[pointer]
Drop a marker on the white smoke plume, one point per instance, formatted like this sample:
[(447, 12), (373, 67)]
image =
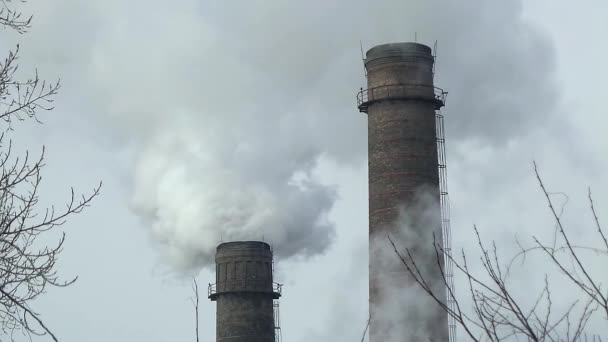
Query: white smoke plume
[(192, 200), (261, 104), (227, 107)]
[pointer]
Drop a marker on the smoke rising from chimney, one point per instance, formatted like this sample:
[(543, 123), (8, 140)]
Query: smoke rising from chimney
[(193, 197), (223, 109)]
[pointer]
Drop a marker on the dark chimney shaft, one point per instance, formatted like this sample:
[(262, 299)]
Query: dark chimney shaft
[(244, 292), (401, 101)]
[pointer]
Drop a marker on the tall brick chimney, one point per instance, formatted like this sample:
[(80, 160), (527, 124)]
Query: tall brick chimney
[(401, 103)]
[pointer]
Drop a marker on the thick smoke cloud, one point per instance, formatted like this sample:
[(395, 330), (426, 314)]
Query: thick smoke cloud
[(227, 107), (498, 68), (192, 200)]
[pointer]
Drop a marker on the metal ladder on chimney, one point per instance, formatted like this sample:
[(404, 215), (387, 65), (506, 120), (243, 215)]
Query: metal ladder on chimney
[(278, 337), (445, 223)]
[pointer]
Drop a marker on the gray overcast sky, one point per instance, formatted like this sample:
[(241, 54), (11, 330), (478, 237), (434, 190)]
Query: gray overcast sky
[(180, 106)]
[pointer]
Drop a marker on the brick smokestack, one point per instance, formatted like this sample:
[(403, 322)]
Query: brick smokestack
[(402, 149), (244, 292)]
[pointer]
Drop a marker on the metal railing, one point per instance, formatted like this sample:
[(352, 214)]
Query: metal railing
[(242, 285), (401, 91)]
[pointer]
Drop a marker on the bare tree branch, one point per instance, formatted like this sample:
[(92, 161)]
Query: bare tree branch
[(12, 18), (195, 289), (28, 265), (366, 327), (499, 315)]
